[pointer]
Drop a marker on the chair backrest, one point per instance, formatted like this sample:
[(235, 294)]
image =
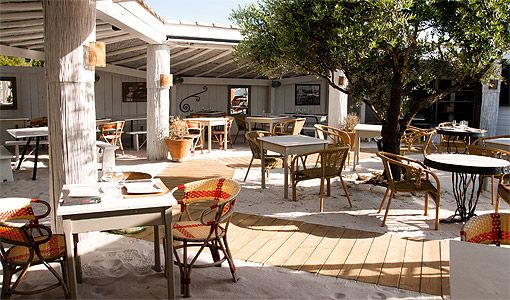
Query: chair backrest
[(418, 139), (487, 229), (289, 127), (112, 128), (240, 122), (483, 150), (504, 188), (197, 125), (336, 136), (333, 160), (136, 175), (254, 144), (410, 169)]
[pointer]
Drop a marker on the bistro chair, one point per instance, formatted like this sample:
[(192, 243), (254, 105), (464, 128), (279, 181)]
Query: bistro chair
[(218, 133), (207, 231), (414, 177), (289, 127), (444, 140), (503, 191), (111, 133), (241, 126), (336, 136), (487, 229), (271, 161), (31, 244), (416, 139), (331, 163), (196, 131)]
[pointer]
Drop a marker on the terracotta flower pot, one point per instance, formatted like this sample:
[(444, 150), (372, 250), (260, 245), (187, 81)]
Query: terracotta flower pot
[(179, 149)]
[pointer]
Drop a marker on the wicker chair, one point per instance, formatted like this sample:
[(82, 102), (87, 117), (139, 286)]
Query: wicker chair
[(196, 131), (444, 140), (415, 177), (241, 126), (503, 191), (32, 244), (416, 139), (218, 133), (271, 161), (289, 127), (210, 230), (487, 229), (111, 133), (336, 136), (331, 165)]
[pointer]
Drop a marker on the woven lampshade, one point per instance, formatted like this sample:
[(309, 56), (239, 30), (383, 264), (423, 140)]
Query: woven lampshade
[(165, 80), (97, 54)]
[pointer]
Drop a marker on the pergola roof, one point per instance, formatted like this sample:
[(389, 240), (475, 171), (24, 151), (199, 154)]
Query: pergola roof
[(126, 27)]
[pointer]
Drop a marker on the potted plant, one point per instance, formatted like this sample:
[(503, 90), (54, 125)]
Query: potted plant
[(350, 121), (179, 142)]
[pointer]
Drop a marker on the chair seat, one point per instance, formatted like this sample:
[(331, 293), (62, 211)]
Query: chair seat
[(310, 173), (51, 250), (410, 186), (190, 231)]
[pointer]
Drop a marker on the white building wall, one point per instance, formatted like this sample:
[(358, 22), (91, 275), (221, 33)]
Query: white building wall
[(285, 96)]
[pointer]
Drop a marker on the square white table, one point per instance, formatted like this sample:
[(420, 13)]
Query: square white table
[(115, 212), (501, 143), (288, 145), (363, 131), (210, 122), (30, 133), (269, 120)]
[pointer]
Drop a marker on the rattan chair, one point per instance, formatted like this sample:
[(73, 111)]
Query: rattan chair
[(415, 177), (271, 161), (289, 127), (331, 165), (31, 244), (111, 133), (445, 140), (218, 133), (209, 230), (241, 126), (196, 131), (416, 139), (336, 136), (503, 191), (487, 229)]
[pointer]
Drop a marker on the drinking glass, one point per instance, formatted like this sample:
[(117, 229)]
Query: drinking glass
[(464, 124), (454, 123)]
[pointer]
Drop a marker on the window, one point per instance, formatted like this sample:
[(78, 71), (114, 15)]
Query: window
[(308, 94), (8, 93), (239, 100)]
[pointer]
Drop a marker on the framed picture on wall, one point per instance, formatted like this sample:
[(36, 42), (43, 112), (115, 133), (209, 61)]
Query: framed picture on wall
[(134, 92), (308, 94)]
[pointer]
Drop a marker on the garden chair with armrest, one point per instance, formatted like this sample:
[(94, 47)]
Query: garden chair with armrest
[(289, 127), (271, 161), (487, 229)]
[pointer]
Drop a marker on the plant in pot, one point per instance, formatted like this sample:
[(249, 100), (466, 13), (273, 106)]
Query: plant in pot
[(179, 141), (350, 121)]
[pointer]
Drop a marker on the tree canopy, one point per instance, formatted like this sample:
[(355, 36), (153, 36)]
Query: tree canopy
[(389, 50)]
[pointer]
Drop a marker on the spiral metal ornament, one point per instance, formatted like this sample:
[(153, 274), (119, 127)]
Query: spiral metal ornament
[(186, 107)]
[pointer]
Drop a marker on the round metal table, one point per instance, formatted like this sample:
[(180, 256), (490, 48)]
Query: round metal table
[(465, 169), (452, 133)]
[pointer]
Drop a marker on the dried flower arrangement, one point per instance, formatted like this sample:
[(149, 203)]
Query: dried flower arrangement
[(178, 129), (350, 121)]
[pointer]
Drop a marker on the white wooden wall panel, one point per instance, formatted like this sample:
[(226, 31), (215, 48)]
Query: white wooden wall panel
[(285, 99), (503, 120)]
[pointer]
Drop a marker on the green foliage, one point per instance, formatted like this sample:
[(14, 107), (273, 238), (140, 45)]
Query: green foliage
[(19, 62), (389, 50)]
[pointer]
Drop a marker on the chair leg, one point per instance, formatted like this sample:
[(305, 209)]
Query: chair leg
[(328, 191), (247, 171), (383, 199), (346, 192), (436, 225), (322, 195), (213, 247), (230, 260), (387, 208), (6, 282), (426, 208), (492, 190)]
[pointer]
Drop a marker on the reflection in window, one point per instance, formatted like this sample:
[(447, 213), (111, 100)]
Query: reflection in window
[(239, 97), (8, 92)]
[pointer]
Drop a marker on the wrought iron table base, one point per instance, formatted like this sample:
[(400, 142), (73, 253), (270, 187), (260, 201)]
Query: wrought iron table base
[(466, 200)]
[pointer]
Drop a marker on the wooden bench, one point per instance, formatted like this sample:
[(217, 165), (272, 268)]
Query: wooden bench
[(5, 165), (16, 145), (134, 135)]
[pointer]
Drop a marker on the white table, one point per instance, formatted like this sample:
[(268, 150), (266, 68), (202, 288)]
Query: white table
[(363, 131), (210, 122), (479, 271), (30, 133), (115, 212), (288, 145), (500, 143), (270, 120)]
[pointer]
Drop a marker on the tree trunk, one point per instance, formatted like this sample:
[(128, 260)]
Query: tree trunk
[(68, 26), (158, 102), (391, 127)]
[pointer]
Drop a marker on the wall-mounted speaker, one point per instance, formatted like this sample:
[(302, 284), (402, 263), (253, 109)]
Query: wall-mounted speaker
[(275, 83)]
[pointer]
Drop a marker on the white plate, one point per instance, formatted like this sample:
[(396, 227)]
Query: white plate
[(84, 191), (142, 187)]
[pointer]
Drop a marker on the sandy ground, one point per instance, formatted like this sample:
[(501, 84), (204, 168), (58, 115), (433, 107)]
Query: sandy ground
[(119, 267)]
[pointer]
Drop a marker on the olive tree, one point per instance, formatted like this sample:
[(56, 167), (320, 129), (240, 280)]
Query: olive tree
[(391, 51)]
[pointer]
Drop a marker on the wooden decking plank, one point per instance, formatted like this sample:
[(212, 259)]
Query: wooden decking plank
[(265, 235), (263, 253), (411, 267), (298, 258), (279, 257), (375, 258), (237, 228), (249, 234), (317, 259), (445, 268), (431, 268), (338, 256), (392, 265), (357, 256)]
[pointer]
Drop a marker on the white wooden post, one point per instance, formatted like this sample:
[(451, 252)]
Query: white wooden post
[(173, 101), (272, 99), (69, 25), (337, 103), (490, 107), (158, 101)]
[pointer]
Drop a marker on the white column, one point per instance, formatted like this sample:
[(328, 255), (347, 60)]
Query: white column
[(272, 100), (69, 25), (158, 101), (173, 101), (337, 103), (490, 108)]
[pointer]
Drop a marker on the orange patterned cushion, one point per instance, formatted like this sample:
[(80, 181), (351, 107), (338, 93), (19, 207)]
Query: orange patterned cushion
[(54, 248), (193, 230)]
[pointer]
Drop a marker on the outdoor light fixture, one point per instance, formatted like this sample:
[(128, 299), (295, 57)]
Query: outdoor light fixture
[(165, 80), (275, 83), (97, 54), (178, 80), (341, 80)]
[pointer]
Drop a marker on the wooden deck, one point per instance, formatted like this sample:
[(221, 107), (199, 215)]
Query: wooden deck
[(383, 259)]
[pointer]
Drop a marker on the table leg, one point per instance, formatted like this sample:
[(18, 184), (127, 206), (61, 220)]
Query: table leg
[(356, 151), (286, 175), (209, 137), (157, 259), (225, 135), (262, 164), (34, 172), (70, 263), (465, 196), (169, 253), (24, 152), (249, 126)]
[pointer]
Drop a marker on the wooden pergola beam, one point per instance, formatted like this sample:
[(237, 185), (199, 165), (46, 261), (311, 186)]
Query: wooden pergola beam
[(205, 62), (228, 62), (130, 59), (232, 71), (127, 50), (202, 53)]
